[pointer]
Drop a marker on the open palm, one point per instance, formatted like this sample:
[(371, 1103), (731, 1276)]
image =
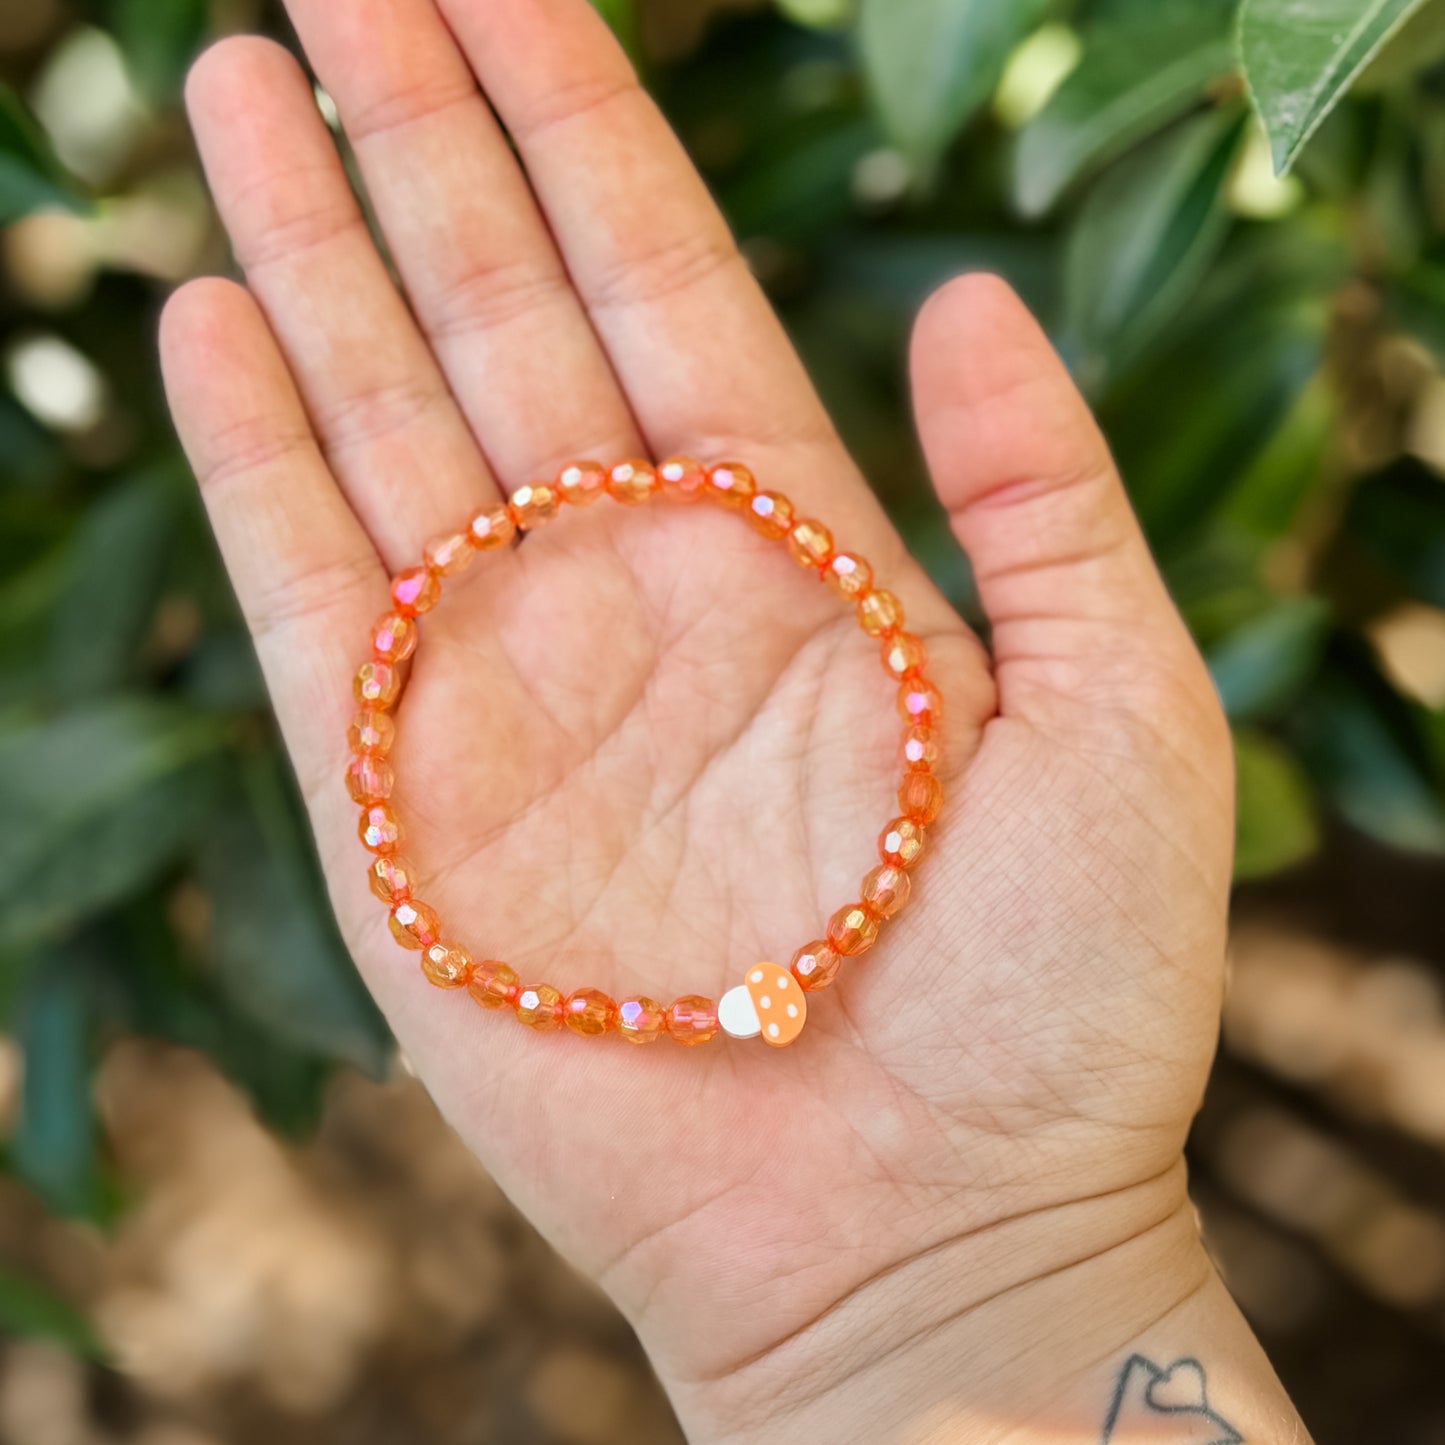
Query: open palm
[(643, 749)]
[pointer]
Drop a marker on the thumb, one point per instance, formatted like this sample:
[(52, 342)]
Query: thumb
[(1078, 611)]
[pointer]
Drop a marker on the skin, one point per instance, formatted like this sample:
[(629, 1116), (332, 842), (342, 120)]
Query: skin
[(642, 749)]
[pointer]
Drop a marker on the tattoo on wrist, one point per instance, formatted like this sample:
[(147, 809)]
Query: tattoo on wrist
[(1164, 1405)]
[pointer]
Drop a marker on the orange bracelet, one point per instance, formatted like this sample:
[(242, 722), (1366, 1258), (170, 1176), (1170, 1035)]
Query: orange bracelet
[(770, 1002)]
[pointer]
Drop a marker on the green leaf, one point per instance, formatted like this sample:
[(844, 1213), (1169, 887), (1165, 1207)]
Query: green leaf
[(275, 947), (109, 795), (1398, 517), (31, 178), (1145, 236), (1262, 665), (1300, 58), (160, 38), (1371, 754), (53, 1149), (1136, 75), (932, 63), (32, 1312), (1275, 823), (818, 14), (117, 563)]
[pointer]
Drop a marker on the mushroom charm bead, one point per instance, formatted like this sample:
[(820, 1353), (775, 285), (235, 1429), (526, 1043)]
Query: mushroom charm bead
[(769, 1002)]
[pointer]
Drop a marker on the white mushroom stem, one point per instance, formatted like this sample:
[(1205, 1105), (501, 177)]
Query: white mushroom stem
[(738, 1015)]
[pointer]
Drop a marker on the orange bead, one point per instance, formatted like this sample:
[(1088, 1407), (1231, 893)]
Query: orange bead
[(641, 1020), (391, 878), (415, 591), (393, 637), (539, 1006), (493, 984), (631, 483), (920, 797), (920, 750), (447, 965), (534, 506), (371, 732), (379, 828), (848, 575), (377, 684), (810, 543), (450, 554), (731, 484), (492, 529), (904, 655), (683, 479), (771, 515), (901, 843), (852, 930), (919, 702), (879, 613), (885, 890), (581, 483), (589, 1012), (692, 1019), (414, 924), (369, 779), (815, 965)]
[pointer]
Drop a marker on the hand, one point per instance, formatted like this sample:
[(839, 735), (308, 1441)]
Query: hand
[(643, 750)]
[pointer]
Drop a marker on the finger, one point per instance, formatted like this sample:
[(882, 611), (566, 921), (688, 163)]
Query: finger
[(485, 280), (703, 359), (379, 405), (308, 579), (1073, 597)]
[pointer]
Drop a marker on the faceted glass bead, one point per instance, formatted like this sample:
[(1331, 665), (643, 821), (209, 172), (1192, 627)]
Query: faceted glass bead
[(852, 930), (448, 555), (692, 1019), (493, 984), (771, 515), (732, 484), (885, 890), (415, 591), (920, 750), (641, 1020), (879, 613), (684, 479), (631, 483), (534, 506), (491, 529), (815, 965), (539, 1006), (811, 543), (377, 684), (900, 844), (919, 702), (391, 878), (447, 965), (379, 828), (414, 924), (393, 637), (904, 654), (369, 779), (848, 575), (589, 1012), (920, 797), (371, 732), (581, 483)]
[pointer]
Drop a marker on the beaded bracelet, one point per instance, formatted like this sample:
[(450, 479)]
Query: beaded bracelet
[(770, 1002)]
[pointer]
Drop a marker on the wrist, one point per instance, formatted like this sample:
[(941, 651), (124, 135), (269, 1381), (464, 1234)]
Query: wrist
[(1018, 1331)]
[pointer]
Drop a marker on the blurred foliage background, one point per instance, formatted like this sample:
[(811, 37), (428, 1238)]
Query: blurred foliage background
[(1229, 218)]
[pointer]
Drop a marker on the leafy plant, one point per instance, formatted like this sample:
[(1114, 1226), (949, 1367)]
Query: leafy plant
[(1264, 355)]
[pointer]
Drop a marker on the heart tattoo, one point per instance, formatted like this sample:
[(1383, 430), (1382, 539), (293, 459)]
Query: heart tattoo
[(1164, 1405)]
